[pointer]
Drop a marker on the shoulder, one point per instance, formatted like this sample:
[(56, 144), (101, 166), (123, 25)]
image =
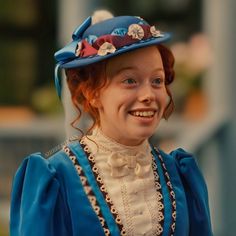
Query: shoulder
[(35, 164), (44, 165), (34, 173), (177, 154), (38, 163), (37, 194), (182, 164), (182, 159), (185, 163), (53, 159), (41, 175), (185, 166)]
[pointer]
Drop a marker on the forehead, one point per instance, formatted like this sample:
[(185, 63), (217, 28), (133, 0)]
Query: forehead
[(148, 58)]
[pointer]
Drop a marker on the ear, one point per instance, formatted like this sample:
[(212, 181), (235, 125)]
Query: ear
[(95, 102)]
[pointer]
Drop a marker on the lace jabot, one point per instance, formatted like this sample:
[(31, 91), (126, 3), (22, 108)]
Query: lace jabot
[(130, 176), (123, 159)]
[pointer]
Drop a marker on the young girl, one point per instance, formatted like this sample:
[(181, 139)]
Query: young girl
[(112, 181)]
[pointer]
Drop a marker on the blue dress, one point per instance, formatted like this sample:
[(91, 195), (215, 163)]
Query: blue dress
[(60, 196)]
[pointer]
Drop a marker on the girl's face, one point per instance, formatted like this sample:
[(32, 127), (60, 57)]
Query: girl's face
[(132, 104)]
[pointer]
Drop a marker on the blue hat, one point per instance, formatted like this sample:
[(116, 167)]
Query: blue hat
[(106, 39)]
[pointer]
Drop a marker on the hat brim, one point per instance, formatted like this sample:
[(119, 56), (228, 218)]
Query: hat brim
[(81, 62)]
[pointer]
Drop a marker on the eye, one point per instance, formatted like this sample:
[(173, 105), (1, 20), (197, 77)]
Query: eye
[(158, 81), (129, 81)]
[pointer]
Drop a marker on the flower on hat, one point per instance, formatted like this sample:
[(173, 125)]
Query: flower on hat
[(119, 31), (155, 33), (106, 48), (78, 49), (136, 31)]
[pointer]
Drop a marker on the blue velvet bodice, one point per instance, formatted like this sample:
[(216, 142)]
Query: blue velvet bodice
[(48, 197)]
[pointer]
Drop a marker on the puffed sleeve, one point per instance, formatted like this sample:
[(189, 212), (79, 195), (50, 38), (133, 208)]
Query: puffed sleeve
[(196, 193), (35, 195)]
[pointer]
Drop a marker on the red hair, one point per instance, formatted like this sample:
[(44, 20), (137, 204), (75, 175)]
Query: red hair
[(168, 61), (85, 84)]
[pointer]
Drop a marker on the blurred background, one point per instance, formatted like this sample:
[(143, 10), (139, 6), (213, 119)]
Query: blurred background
[(32, 117)]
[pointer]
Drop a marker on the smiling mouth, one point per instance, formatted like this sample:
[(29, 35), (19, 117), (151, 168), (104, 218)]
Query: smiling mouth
[(148, 114)]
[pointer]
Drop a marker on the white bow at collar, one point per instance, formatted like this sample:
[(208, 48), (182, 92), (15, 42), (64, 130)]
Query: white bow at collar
[(121, 165)]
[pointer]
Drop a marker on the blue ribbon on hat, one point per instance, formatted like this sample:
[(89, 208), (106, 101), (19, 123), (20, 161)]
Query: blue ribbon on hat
[(68, 52), (80, 30)]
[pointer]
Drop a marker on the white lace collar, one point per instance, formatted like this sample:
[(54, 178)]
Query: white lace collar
[(123, 159)]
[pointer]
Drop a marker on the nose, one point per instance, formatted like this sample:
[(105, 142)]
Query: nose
[(146, 94)]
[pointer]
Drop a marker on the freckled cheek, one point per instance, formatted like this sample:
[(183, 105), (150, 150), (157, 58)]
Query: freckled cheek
[(163, 99), (124, 105)]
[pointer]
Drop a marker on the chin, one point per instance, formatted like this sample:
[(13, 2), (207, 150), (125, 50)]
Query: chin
[(145, 134)]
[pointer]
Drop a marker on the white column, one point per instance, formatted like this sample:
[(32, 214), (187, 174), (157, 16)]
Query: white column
[(219, 23), (218, 26)]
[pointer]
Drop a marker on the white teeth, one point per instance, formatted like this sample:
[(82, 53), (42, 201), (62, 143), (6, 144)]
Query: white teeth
[(143, 113)]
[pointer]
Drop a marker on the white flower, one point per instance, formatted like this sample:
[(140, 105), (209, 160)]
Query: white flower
[(136, 31), (155, 33), (106, 48), (78, 49)]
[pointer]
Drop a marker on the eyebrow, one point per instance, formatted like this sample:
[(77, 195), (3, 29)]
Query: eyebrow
[(135, 68)]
